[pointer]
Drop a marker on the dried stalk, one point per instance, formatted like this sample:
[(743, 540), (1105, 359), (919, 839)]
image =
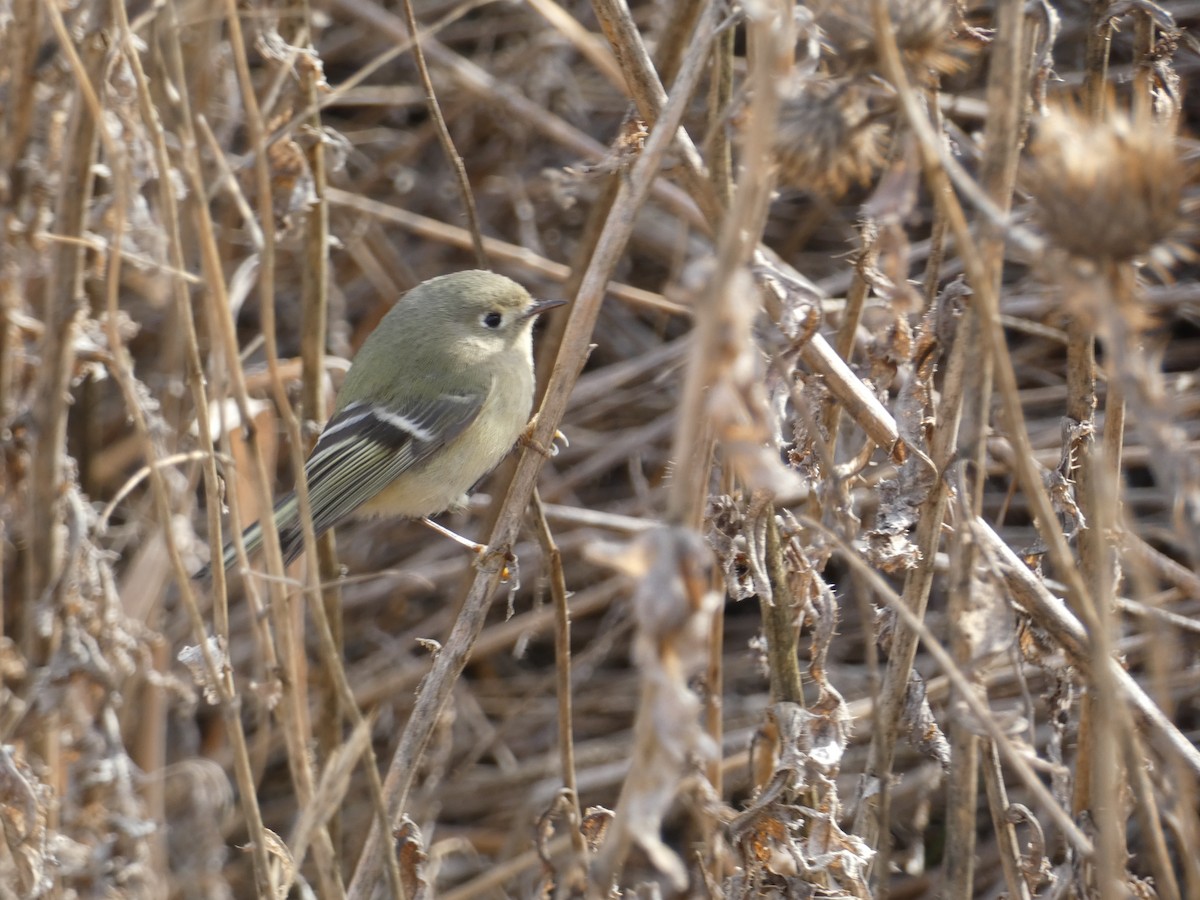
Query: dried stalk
[(314, 311), (478, 83), (443, 132), (218, 676), (450, 661), (60, 308), (562, 668), (648, 92), (983, 716), (497, 249), (1007, 97), (288, 619)]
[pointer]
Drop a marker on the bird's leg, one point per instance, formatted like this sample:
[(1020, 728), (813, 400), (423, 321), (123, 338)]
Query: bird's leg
[(507, 561), (454, 536)]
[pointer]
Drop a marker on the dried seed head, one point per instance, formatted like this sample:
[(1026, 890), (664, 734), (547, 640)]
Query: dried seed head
[(1105, 190), (924, 31), (827, 138)]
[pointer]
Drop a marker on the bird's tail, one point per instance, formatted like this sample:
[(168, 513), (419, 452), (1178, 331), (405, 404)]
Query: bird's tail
[(291, 536)]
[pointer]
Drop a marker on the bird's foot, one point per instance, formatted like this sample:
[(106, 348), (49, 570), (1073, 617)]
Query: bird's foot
[(526, 440)]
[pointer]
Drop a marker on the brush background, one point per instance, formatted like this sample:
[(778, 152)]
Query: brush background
[(119, 773)]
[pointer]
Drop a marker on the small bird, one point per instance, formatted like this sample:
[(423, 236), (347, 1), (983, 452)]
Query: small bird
[(438, 394)]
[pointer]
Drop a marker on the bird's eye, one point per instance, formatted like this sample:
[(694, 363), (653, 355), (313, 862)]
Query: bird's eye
[(492, 319)]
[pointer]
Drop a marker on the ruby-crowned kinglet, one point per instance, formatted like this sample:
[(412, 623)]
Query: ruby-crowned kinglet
[(436, 397)]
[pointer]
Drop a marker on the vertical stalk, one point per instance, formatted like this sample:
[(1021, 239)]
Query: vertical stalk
[(314, 310), (1008, 104)]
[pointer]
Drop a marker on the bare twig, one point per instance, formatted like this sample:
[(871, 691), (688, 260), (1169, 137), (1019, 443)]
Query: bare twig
[(562, 653), (443, 132), (452, 658)]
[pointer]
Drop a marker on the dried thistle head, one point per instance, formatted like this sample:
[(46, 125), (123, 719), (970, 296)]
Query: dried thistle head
[(1105, 190), (827, 138), (925, 32)]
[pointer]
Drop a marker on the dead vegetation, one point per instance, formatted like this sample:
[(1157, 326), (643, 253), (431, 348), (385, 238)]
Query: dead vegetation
[(870, 567)]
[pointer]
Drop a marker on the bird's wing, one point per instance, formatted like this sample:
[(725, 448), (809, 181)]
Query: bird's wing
[(366, 446)]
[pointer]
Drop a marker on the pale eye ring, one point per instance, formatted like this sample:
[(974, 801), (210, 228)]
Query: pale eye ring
[(492, 319)]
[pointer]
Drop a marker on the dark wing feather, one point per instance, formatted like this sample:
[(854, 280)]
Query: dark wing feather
[(365, 447), (362, 449)]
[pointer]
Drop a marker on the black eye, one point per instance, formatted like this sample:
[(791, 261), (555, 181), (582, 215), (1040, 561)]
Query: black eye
[(492, 319)]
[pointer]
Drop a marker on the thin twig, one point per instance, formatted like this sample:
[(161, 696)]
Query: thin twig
[(501, 251), (219, 678), (297, 727), (443, 132), (450, 661), (562, 668)]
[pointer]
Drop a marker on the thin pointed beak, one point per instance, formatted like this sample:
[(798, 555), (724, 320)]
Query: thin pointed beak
[(542, 306)]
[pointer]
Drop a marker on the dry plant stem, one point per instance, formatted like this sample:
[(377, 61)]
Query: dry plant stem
[(447, 142), (779, 622), (1052, 614), (1098, 42), (1124, 274), (23, 36), (1096, 758), (329, 646), (314, 311), (856, 298), (1146, 810), (720, 167), (1081, 349), (741, 231), (937, 235), (1143, 75), (497, 249), (1100, 732), (1007, 93), (857, 401), (8, 337), (227, 180), (649, 95), (562, 668), (1144, 566), (487, 883), (435, 690), (223, 346), (720, 94), (1028, 590), (714, 691), (218, 677), (582, 40), (60, 309), (478, 83), (673, 41), (610, 858), (1028, 474), (1006, 837), (1169, 458), (870, 821), (1116, 296), (47, 577), (288, 618), (962, 781), (1013, 755), (1158, 564)]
